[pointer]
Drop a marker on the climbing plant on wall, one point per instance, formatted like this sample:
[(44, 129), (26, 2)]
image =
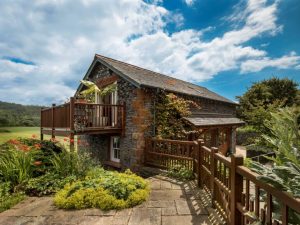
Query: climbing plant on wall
[(170, 111)]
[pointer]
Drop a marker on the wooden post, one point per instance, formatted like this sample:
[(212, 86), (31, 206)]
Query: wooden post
[(214, 137), (213, 165), (41, 128), (53, 118), (123, 118), (236, 190), (200, 161), (284, 214), (72, 103)]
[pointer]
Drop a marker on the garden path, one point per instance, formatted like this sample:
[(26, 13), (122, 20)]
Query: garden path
[(171, 202)]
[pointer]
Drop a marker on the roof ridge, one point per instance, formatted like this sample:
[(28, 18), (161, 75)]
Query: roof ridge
[(187, 87), (138, 67)]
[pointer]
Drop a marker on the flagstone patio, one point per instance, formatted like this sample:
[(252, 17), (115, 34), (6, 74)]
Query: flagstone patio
[(171, 203)]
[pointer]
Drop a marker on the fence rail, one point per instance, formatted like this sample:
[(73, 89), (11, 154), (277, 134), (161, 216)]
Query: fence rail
[(236, 192)]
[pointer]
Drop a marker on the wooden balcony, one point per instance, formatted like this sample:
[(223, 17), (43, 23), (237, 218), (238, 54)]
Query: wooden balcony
[(75, 118)]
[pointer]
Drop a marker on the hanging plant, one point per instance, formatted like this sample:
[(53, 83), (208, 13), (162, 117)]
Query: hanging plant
[(92, 89)]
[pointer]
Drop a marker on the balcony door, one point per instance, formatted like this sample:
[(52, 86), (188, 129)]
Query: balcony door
[(106, 114)]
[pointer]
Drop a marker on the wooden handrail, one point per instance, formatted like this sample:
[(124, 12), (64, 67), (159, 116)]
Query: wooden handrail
[(227, 180), (87, 103), (79, 117), (284, 196)]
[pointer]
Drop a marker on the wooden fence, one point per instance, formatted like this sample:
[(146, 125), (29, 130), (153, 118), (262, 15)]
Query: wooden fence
[(236, 192)]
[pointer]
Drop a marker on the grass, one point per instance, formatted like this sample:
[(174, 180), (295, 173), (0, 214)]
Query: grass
[(9, 201), (7, 133)]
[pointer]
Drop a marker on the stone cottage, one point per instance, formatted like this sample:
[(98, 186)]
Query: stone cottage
[(116, 125)]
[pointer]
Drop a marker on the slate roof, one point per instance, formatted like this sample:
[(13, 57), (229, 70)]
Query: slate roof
[(209, 120), (144, 77)]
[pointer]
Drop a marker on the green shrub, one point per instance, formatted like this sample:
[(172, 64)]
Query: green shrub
[(17, 166), (8, 199), (105, 190), (246, 135), (180, 172), (44, 151), (71, 163), (47, 184)]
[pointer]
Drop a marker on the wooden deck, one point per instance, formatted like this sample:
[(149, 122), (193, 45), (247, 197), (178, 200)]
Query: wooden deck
[(75, 118)]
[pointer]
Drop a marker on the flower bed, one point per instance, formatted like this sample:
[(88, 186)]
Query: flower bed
[(37, 168)]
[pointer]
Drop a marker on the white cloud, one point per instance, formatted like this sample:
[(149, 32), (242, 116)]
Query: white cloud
[(189, 2), (62, 36), (284, 62)]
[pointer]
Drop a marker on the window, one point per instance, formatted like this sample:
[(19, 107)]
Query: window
[(115, 149)]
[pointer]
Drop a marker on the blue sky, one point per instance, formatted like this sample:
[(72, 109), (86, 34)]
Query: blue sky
[(224, 45)]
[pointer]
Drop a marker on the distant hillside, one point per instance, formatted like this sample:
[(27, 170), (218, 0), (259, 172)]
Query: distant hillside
[(12, 114)]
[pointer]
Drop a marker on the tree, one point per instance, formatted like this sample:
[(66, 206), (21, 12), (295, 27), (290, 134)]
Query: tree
[(267, 96)]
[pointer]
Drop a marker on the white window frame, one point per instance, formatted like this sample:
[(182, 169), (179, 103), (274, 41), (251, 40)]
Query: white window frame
[(114, 150)]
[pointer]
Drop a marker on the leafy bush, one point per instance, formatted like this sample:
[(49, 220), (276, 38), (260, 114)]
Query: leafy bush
[(47, 184), (43, 152), (180, 172), (246, 135), (71, 163), (16, 166), (105, 190), (284, 174), (8, 199)]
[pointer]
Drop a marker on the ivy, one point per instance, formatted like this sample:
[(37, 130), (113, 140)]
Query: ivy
[(170, 111)]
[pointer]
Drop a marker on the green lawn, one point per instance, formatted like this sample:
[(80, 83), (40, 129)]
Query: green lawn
[(7, 133)]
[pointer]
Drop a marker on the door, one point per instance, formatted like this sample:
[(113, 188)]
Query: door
[(102, 110), (115, 149), (114, 109)]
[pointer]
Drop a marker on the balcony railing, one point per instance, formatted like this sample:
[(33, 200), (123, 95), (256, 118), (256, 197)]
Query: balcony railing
[(76, 117)]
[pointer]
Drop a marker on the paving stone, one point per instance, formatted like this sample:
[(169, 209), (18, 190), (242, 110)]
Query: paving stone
[(155, 185), (120, 220), (31, 207), (166, 185), (150, 216), (176, 186), (160, 204), (66, 217), (185, 220), (16, 220), (170, 211), (95, 220), (166, 195), (190, 207), (124, 212), (98, 212)]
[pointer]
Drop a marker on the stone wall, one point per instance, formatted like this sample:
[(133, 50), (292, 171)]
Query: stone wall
[(138, 123), (95, 145)]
